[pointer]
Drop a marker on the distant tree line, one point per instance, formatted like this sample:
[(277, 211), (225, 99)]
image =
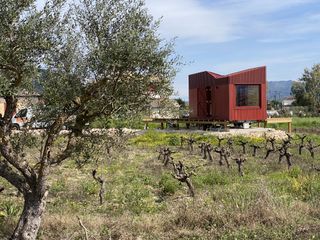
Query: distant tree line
[(307, 90)]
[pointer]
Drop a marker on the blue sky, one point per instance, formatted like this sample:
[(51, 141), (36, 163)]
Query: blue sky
[(225, 36)]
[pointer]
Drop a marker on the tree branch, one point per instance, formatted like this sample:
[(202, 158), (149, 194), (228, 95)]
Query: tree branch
[(45, 156), (7, 67), (101, 181), (12, 177), (84, 228), (66, 153), (23, 168)]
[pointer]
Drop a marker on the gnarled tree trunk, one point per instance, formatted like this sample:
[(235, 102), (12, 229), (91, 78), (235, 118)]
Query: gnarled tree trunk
[(30, 219), (190, 187)]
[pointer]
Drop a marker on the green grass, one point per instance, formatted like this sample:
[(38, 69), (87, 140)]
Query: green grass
[(299, 124), (310, 122), (143, 200)]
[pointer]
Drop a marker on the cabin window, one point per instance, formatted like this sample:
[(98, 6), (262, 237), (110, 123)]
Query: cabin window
[(248, 95)]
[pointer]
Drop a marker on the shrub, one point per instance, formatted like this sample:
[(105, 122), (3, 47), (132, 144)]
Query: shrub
[(174, 140), (9, 209), (90, 187), (136, 199), (305, 187), (168, 185), (149, 139), (295, 172), (211, 178), (58, 186)]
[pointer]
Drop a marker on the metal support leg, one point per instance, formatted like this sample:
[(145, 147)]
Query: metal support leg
[(289, 127), (225, 125)]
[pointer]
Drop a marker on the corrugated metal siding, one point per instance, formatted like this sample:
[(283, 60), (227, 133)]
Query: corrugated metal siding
[(202, 103), (221, 101), (256, 76), (224, 95), (198, 82), (193, 104)]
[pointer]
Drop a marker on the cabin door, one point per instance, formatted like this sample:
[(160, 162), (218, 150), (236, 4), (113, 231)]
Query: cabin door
[(209, 102)]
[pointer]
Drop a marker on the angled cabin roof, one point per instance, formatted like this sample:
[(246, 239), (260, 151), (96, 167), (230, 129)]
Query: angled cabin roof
[(245, 71), (249, 76), (217, 76)]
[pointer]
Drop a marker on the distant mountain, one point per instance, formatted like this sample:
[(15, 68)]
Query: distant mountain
[(277, 90)]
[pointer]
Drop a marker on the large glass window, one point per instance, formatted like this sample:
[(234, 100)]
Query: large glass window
[(248, 95)]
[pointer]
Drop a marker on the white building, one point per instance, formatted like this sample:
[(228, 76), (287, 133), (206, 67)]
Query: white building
[(288, 101)]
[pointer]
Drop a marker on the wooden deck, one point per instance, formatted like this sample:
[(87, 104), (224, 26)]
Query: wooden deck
[(280, 120), (188, 122)]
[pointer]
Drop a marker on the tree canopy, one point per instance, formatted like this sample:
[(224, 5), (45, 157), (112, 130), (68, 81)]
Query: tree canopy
[(298, 90), (307, 90), (100, 58)]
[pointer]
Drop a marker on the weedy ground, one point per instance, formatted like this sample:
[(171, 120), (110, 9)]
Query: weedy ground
[(143, 200)]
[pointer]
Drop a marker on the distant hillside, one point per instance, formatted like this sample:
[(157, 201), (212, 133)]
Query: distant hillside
[(278, 89)]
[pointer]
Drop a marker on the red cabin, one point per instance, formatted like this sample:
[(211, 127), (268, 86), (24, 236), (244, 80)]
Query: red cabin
[(236, 97)]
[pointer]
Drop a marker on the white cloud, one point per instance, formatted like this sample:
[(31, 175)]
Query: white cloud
[(279, 39), (308, 24), (227, 20), (189, 20), (238, 65), (258, 7)]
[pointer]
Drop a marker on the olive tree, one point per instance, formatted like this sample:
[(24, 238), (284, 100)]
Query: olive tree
[(102, 58)]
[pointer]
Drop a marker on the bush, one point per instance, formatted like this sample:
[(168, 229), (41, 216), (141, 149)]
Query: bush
[(150, 139), (137, 199), (295, 172), (90, 187), (305, 187), (135, 123), (210, 179), (168, 185), (174, 140), (9, 209), (58, 186)]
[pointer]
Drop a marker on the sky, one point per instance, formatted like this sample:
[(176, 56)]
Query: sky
[(226, 36)]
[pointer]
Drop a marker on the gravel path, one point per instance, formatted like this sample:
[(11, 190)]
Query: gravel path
[(251, 132)]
